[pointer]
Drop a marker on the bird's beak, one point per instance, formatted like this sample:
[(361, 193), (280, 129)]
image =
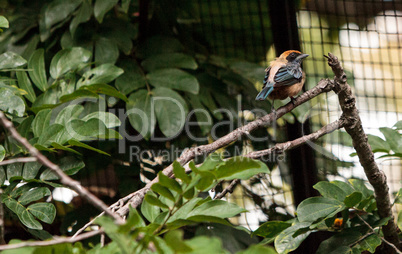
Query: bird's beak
[(301, 57)]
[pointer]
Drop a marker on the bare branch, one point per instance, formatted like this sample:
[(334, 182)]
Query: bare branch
[(64, 179), (354, 128), (51, 242), (228, 189), (282, 147), (16, 160)]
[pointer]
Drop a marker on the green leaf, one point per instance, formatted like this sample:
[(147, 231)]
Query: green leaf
[(106, 51), (25, 126), (132, 78), (163, 191), (102, 7), (174, 79), (285, 242), (14, 169), (37, 71), (150, 211), (11, 103), (339, 240), (211, 162), (346, 187), (68, 60), (104, 73), (33, 195), (109, 119), (83, 15), (183, 211), (45, 212), (11, 60), (169, 183), (398, 125), (25, 84), (206, 245), (50, 135), (3, 22), (175, 240), (2, 152), (370, 243), (86, 130), (28, 220), (360, 186), (134, 221), (169, 60), (2, 175), (69, 165), (125, 4), (399, 220), (170, 110), (64, 148), (216, 208), (312, 209), (378, 144), (271, 229), (31, 169), (258, 249), (78, 94), (330, 190), (398, 197), (353, 199), (105, 89), (240, 168), (68, 113), (155, 201), (140, 115), (14, 206), (179, 172), (204, 119), (159, 45), (74, 142), (393, 138), (58, 11)]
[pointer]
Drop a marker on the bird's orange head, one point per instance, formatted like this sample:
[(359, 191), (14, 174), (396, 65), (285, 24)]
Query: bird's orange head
[(293, 55)]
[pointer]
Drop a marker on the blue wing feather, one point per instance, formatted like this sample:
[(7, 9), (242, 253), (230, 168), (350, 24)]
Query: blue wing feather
[(288, 75)]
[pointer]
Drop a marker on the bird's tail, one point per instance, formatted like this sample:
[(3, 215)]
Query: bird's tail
[(264, 93)]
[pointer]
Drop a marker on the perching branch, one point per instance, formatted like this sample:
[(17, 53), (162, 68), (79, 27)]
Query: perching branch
[(323, 86), (64, 179), (354, 128)]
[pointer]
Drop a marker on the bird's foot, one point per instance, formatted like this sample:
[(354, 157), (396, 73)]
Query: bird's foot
[(292, 100)]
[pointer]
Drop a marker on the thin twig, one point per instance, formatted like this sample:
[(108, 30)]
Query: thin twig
[(18, 160), (51, 242), (228, 189), (64, 179), (382, 238), (282, 147)]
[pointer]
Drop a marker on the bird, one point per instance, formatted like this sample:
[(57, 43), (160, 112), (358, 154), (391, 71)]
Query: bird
[(284, 77)]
